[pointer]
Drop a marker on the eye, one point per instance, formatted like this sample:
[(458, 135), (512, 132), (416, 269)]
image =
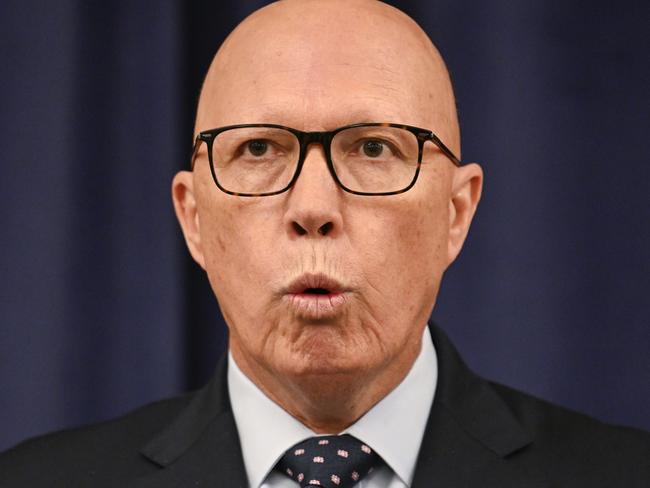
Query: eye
[(257, 147), (373, 148)]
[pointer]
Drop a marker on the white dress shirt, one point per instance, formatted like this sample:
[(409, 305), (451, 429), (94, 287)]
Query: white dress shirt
[(394, 427)]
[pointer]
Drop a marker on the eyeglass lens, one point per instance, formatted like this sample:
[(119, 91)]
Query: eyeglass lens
[(365, 159)]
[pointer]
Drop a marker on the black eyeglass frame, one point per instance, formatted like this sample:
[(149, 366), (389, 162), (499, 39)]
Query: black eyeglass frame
[(323, 138)]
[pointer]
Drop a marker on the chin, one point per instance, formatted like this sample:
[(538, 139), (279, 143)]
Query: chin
[(324, 350)]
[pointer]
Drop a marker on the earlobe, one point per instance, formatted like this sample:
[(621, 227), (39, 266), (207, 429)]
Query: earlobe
[(187, 213), (467, 186)]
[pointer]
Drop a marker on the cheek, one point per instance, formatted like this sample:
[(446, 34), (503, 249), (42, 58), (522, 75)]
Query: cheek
[(404, 257), (236, 234), (236, 239), (428, 233), (412, 236), (426, 227)]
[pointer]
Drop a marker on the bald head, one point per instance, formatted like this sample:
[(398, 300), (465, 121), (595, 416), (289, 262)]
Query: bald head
[(346, 60)]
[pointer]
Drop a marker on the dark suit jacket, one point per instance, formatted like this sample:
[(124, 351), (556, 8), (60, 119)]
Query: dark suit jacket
[(479, 434)]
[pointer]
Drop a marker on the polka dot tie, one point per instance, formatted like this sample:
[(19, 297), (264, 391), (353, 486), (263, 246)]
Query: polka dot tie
[(334, 461)]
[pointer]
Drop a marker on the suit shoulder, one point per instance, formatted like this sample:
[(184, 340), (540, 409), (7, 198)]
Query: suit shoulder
[(103, 451), (569, 441), (546, 418)]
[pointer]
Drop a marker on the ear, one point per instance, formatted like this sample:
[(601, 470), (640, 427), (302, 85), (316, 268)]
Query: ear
[(467, 184), (187, 213)]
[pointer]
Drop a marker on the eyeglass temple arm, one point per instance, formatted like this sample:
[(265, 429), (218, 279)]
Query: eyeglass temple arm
[(195, 151), (433, 138)]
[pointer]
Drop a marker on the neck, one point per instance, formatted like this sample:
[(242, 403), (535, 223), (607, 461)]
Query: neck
[(316, 400)]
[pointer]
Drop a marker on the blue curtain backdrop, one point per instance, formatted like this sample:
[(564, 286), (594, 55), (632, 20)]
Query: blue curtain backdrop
[(101, 309)]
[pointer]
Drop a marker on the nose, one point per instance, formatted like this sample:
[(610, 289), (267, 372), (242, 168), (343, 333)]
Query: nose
[(313, 205)]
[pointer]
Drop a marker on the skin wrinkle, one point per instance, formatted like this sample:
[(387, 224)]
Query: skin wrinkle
[(286, 65)]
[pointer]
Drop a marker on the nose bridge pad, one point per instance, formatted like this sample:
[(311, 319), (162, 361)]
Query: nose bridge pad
[(326, 156), (324, 141), (303, 224)]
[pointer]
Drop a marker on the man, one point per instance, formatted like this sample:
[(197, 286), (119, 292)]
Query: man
[(325, 202)]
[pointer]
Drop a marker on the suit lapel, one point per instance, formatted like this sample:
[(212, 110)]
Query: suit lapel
[(471, 437), (201, 447)]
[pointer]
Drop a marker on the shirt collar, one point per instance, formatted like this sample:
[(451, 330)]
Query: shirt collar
[(394, 427)]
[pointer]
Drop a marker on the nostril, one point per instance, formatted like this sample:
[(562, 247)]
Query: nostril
[(298, 229), (325, 228)]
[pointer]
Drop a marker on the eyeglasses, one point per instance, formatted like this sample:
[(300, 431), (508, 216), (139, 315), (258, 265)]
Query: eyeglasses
[(365, 159)]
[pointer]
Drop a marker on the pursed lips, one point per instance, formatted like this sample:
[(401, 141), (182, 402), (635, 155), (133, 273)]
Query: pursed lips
[(316, 296)]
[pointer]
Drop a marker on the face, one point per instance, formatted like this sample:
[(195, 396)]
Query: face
[(317, 281)]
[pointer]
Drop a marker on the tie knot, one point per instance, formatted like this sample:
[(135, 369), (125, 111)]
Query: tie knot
[(330, 461)]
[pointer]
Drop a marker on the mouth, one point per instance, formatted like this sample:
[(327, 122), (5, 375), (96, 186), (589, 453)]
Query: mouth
[(316, 296), (315, 284)]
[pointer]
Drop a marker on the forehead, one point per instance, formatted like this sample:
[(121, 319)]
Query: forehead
[(314, 101), (293, 86), (320, 73)]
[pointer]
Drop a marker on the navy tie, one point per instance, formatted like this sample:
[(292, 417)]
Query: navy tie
[(334, 461)]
